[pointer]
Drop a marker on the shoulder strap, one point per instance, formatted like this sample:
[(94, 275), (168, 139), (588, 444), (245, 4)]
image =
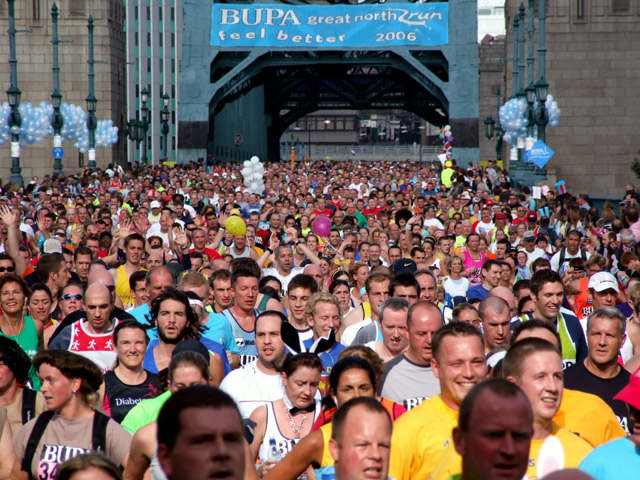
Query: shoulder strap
[(99, 433), (561, 259), (28, 404), (34, 439)]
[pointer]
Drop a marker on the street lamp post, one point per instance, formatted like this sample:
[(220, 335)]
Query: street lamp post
[(13, 94), (164, 116), (144, 123), (541, 86), (56, 98), (92, 122)]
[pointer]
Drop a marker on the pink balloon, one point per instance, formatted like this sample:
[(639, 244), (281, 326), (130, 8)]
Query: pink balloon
[(321, 226)]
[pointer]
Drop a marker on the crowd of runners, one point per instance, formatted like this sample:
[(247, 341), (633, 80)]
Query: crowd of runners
[(357, 320)]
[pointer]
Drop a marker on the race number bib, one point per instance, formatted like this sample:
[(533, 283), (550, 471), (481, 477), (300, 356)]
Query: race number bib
[(52, 455)]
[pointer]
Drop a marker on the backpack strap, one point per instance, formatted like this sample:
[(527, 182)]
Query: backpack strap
[(28, 404), (99, 433), (34, 439)]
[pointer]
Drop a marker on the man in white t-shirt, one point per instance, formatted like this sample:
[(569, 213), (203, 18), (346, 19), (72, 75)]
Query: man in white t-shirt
[(259, 382)]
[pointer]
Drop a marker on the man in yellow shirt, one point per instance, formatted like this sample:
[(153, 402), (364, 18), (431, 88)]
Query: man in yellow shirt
[(535, 365), (421, 435)]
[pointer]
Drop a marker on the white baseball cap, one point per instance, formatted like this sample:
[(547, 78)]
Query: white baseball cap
[(602, 281)]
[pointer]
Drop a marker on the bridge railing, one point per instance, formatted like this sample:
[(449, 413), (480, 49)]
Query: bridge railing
[(365, 152)]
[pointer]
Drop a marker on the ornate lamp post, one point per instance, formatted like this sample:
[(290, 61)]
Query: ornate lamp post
[(92, 122), (13, 94), (144, 123), (164, 116), (56, 98), (542, 86)]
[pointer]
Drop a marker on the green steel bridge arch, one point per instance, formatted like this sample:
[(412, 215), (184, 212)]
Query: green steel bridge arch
[(235, 104)]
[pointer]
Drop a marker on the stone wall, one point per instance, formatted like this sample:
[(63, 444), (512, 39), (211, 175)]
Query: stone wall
[(593, 68), (35, 79)]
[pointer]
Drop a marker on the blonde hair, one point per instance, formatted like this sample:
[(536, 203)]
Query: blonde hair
[(321, 297)]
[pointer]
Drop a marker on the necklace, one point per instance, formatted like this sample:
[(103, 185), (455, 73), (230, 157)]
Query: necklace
[(297, 429)]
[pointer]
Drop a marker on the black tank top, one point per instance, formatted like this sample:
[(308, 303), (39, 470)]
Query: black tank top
[(119, 397)]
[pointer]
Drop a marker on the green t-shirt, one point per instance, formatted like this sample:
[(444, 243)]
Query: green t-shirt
[(144, 413), (28, 341)]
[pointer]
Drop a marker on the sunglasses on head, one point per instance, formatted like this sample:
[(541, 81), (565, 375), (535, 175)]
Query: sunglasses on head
[(7, 269), (69, 296)]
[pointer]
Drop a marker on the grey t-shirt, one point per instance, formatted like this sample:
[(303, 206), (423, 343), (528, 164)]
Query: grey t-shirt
[(64, 439), (408, 383)]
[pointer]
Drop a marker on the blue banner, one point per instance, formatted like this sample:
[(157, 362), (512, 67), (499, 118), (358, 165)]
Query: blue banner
[(329, 26)]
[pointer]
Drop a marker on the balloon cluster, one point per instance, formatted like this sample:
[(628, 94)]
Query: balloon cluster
[(36, 122), (5, 131), (553, 111), (512, 119), (445, 134), (253, 174), (106, 135), (514, 122), (74, 121)]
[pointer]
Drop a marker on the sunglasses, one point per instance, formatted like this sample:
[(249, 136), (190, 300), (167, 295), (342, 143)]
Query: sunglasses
[(69, 296), (7, 269)]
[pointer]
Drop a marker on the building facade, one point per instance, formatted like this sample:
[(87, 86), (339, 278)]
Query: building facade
[(35, 79), (154, 45), (593, 68)]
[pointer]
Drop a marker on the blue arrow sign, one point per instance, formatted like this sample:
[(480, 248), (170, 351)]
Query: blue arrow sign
[(540, 154), (57, 153)]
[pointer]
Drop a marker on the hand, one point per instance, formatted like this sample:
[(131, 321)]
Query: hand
[(8, 217), (40, 221), (222, 219), (125, 228), (265, 467), (143, 225), (182, 240), (274, 242)]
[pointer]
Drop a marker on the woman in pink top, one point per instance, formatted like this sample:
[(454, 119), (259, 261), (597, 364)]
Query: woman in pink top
[(473, 259)]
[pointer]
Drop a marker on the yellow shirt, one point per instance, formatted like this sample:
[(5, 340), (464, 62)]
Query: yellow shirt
[(574, 450), (327, 459), (589, 417), (420, 436)]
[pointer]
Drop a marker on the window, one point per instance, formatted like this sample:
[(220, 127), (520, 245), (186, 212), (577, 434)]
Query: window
[(77, 7), (620, 7), (173, 66), (484, 11), (148, 38), (148, 65), (173, 40), (160, 42), (135, 13), (173, 14), (36, 9), (160, 13)]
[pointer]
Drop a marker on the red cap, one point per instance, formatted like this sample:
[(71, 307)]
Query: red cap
[(501, 216), (631, 393), (532, 216), (489, 202)]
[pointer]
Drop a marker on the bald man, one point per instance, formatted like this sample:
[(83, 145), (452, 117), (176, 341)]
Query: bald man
[(96, 276), (507, 295), (92, 336), (496, 322)]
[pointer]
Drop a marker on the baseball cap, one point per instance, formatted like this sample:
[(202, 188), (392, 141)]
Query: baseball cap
[(631, 393), (489, 202), (529, 235), (448, 164), (51, 245), (405, 265), (602, 281), (155, 204), (501, 216), (532, 216), (235, 211)]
